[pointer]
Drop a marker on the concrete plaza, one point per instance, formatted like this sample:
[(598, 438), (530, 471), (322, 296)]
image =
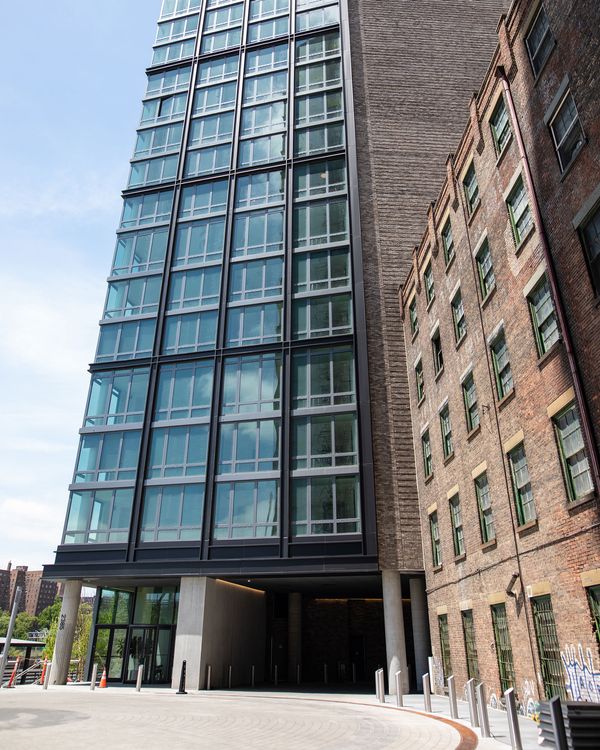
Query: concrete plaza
[(120, 718)]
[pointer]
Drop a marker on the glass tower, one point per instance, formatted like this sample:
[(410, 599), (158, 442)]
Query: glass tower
[(223, 431), (226, 449)]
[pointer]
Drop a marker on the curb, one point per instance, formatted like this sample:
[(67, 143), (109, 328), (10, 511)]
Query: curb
[(468, 738)]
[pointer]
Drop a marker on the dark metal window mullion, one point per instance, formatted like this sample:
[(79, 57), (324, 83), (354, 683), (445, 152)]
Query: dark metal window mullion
[(367, 473), (158, 334), (213, 438), (285, 530)]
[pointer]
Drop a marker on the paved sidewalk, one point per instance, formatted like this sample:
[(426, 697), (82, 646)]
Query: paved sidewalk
[(75, 717), (498, 720)]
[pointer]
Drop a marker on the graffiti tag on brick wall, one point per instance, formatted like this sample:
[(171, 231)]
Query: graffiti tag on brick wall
[(583, 681), (438, 675), (528, 705)]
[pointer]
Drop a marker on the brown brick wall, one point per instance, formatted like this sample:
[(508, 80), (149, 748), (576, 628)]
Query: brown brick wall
[(411, 87), (565, 542)]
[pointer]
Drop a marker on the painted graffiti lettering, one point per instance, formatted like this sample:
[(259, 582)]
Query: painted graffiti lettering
[(583, 681)]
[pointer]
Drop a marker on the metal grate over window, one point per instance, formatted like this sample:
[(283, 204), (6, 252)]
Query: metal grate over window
[(445, 646), (548, 647), (503, 645), (470, 644)]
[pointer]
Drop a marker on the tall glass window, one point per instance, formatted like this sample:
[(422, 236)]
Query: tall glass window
[(117, 397), (230, 297)]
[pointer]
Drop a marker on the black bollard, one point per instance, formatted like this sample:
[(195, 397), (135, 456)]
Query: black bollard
[(182, 690)]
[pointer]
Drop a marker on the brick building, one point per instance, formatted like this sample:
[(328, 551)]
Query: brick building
[(501, 321), (40, 593), (37, 593), (4, 589), (18, 578)]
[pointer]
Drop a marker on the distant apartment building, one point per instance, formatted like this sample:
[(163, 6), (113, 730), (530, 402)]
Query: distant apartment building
[(501, 323), (36, 592), (4, 589), (40, 593), (18, 579)]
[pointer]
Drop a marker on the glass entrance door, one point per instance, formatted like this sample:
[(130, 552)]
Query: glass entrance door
[(150, 647), (141, 651), (109, 651)]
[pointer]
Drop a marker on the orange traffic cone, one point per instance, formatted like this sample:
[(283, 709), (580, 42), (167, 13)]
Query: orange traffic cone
[(103, 679), (14, 673), (43, 676)]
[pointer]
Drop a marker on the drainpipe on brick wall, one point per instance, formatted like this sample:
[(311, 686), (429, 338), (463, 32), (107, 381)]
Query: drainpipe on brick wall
[(582, 404)]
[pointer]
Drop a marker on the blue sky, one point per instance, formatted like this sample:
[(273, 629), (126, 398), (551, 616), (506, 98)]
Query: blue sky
[(72, 79)]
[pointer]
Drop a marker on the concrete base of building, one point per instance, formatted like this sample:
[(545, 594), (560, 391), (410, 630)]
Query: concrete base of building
[(65, 633), (395, 640), (220, 625), (420, 628)]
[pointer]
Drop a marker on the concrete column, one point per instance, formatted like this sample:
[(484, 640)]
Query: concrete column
[(220, 625), (420, 626), (65, 633), (395, 641), (188, 637), (294, 635)]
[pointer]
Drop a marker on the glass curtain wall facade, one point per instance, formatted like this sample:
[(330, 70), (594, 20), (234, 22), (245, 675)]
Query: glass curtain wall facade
[(223, 418)]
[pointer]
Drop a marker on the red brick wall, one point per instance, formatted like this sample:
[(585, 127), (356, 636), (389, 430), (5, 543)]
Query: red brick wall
[(411, 87), (565, 542)]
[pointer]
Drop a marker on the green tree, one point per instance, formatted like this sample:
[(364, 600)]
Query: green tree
[(4, 620), (47, 616), (51, 639), (24, 624), (81, 638)]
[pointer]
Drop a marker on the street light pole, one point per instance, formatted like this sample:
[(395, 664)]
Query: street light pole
[(11, 627)]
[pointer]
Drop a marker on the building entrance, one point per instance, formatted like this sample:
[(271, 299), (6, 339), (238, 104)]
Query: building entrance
[(133, 629), (151, 647)]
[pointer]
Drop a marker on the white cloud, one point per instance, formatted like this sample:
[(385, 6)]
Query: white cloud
[(64, 193), (48, 327), (47, 337)]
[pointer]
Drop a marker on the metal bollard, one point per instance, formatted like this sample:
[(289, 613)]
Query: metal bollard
[(276, 680), (399, 701), (94, 677), (325, 680), (472, 700), (452, 696), (558, 724), (431, 670), (208, 676), (140, 677), (484, 719), (513, 720), (181, 690), (354, 673), (379, 686), (47, 678), (297, 674), (252, 676), (229, 676), (427, 693)]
